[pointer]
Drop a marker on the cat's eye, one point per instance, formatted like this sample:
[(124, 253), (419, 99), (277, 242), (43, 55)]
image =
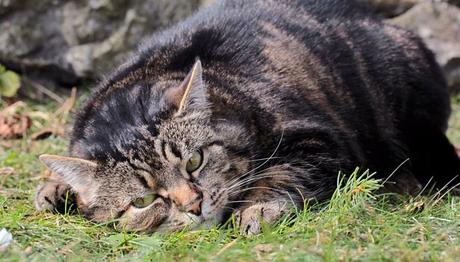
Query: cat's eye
[(142, 202), (195, 161)]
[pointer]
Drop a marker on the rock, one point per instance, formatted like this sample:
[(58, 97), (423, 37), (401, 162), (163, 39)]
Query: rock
[(438, 23), (64, 42), (14, 126), (454, 2), (68, 41)]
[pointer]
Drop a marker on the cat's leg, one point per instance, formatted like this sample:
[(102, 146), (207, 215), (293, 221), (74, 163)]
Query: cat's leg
[(279, 190), (250, 219), (54, 196)]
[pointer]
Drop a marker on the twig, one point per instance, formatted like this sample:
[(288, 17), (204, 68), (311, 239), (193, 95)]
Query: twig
[(227, 246), (44, 90)]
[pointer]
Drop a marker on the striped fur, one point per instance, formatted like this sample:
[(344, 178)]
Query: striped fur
[(293, 92)]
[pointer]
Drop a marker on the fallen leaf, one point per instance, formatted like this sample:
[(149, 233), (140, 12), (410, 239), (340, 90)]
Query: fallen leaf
[(14, 126), (263, 248), (42, 134), (227, 246), (28, 250), (6, 171)]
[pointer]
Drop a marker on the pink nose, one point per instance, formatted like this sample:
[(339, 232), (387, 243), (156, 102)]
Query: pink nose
[(187, 198)]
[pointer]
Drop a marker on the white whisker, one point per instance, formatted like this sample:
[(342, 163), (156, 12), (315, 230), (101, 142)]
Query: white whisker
[(256, 187), (241, 201), (265, 162)]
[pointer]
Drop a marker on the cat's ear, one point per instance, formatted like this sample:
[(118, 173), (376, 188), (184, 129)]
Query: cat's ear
[(191, 93), (76, 172)]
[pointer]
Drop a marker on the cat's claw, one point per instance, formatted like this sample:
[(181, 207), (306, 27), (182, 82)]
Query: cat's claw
[(251, 219)]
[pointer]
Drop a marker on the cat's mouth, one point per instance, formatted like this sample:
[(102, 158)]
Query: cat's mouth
[(212, 211)]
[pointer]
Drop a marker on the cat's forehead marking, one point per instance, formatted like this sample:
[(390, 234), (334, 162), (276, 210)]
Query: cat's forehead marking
[(172, 153), (147, 179), (166, 150)]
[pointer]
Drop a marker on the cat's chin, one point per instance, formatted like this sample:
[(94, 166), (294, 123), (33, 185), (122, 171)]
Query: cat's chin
[(202, 223), (189, 221), (206, 224), (213, 218)]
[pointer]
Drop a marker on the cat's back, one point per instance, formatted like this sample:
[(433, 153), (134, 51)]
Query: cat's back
[(283, 59)]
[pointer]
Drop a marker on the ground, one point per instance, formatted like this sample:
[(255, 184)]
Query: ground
[(358, 224)]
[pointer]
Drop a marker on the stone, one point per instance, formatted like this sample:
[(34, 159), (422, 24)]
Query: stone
[(454, 2), (64, 42), (438, 23)]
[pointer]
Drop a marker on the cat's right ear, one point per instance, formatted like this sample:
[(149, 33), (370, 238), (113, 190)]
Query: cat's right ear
[(76, 172), (191, 93)]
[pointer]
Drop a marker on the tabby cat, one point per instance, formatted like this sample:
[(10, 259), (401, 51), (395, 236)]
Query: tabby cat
[(251, 108)]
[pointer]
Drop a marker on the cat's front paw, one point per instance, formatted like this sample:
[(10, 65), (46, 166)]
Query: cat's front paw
[(250, 219), (52, 196)]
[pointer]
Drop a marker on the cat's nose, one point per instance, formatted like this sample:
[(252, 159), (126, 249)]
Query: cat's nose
[(187, 198), (195, 207)]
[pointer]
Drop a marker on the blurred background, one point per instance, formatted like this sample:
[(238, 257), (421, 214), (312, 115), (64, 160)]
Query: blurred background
[(47, 47)]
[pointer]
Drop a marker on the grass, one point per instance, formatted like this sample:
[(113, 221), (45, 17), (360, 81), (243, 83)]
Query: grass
[(357, 225)]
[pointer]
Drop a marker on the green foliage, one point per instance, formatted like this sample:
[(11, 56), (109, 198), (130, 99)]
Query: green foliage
[(9, 82)]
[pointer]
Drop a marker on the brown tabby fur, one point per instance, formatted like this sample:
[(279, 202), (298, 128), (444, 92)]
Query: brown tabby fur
[(278, 95)]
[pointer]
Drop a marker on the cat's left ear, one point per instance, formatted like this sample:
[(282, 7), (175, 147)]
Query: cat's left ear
[(76, 172), (191, 93)]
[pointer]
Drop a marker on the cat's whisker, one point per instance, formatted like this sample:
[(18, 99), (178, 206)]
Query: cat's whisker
[(250, 180), (229, 208), (262, 159), (268, 159), (241, 201), (263, 174), (246, 175), (238, 180), (247, 182), (252, 188), (259, 175)]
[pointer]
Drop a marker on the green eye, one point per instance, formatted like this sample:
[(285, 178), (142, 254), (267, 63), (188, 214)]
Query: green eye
[(195, 161), (142, 202)]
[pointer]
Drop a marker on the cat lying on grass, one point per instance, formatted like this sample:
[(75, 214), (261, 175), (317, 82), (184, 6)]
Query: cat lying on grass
[(251, 108)]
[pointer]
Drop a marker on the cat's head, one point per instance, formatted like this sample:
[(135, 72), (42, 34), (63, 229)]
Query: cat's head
[(185, 173)]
